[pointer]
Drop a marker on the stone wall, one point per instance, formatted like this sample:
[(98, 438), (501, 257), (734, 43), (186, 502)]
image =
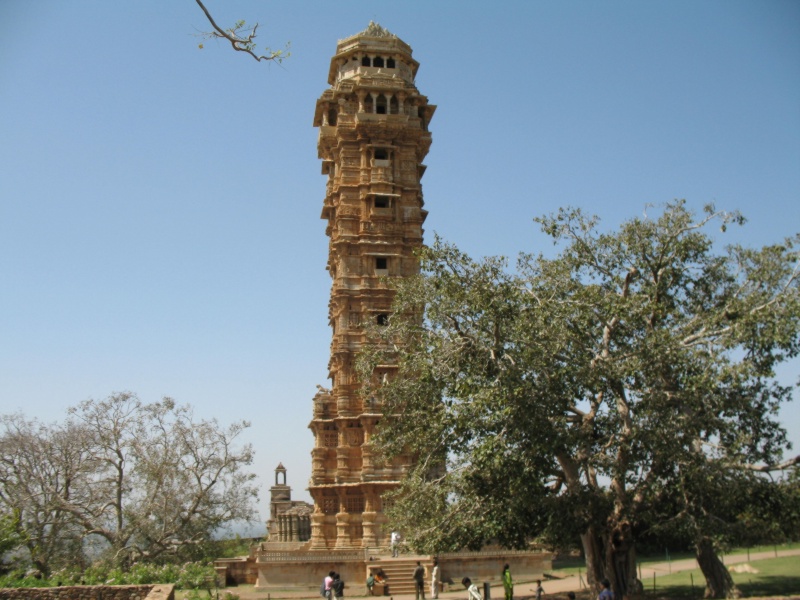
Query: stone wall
[(488, 565), (305, 570), (92, 592), (235, 571)]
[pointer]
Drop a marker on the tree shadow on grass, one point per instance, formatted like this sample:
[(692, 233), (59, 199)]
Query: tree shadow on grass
[(774, 585)]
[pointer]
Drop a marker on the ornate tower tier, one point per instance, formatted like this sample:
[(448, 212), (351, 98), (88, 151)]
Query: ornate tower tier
[(373, 136)]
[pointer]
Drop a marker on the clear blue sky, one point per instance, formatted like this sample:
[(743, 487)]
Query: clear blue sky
[(159, 204)]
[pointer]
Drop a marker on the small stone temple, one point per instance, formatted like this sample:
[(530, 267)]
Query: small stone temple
[(373, 137), (289, 520)]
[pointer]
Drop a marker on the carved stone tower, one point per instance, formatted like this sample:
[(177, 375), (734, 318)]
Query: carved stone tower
[(373, 136)]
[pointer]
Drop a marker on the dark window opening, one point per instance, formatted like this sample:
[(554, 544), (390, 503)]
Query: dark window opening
[(381, 202), (380, 262), (390, 63), (332, 116), (381, 154), (382, 319), (380, 105), (365, 61), (377, 61), (394, 106)]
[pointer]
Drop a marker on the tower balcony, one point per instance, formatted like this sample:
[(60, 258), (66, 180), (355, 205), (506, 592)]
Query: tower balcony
[(400, 119)]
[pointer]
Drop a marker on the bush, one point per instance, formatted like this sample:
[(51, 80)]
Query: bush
[(189, 576), (20, 579), (196, 576)]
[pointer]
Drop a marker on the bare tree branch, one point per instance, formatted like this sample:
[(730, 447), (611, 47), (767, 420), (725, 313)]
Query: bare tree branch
[(778, 467), (240, 43)]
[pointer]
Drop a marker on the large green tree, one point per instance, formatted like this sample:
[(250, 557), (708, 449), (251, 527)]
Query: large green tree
[(558, 396)]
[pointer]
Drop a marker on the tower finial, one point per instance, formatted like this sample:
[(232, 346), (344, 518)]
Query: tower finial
[(375, 30)]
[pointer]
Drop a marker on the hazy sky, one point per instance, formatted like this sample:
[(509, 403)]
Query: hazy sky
[(159, 204)]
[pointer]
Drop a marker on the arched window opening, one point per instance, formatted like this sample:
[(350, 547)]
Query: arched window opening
[(365, 61), (377, 61), (394, 106), (332, 113), (380, 105), (390, 63)]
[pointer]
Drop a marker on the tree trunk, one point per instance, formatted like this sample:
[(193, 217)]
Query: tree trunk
[(719, 583), (593, 553), (615, 561), (621, 562)]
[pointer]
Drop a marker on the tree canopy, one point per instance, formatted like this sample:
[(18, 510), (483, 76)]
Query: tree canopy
[(136, 481), (557, 400)]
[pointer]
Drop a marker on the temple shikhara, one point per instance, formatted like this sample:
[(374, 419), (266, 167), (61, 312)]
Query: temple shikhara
[(373, 138)]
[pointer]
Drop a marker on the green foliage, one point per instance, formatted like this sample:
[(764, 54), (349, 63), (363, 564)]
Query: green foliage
[(189, 576), (20, 578), (10, 535), (638, 357)]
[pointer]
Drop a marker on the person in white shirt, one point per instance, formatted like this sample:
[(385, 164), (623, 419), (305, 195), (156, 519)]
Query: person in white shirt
[(435, 579), (395, 543), (472, 589)]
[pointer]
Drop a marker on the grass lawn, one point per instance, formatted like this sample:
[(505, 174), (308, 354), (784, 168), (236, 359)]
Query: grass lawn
[(572, 566), (775, 577), (735, 551)]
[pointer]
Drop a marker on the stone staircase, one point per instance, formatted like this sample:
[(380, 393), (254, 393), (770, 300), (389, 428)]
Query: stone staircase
[(400, 574)]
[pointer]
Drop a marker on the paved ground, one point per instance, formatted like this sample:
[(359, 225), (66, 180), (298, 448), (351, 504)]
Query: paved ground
[(522, 590)]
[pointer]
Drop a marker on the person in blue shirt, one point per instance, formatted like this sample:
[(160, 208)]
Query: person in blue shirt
[(606, 593)]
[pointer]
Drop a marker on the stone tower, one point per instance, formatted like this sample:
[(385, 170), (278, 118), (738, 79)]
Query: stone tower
[(373, 136)]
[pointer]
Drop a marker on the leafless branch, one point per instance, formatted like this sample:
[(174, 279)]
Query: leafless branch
[(238, 42), (778, 467)]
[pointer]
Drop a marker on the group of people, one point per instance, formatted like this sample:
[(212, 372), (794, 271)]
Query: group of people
[(419, 580), (473, 593), (333, 586), (508, 587)]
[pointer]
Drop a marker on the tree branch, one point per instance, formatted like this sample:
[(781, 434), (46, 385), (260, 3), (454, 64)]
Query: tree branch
[(240, 44)]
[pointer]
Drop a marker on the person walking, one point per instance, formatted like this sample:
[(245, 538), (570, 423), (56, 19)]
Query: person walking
[(508, 584), (419, 581), (395, 543), (539, 591), (472, 589), (435, 579), (338, 587)]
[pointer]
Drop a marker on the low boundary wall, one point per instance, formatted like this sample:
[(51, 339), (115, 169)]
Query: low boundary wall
[(92, 592)]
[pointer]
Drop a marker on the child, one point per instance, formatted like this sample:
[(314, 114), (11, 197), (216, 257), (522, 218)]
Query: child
[(472, 589), (539, 589), (606, 593)]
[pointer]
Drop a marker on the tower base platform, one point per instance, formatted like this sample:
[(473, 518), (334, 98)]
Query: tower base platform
[(303, 570)]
